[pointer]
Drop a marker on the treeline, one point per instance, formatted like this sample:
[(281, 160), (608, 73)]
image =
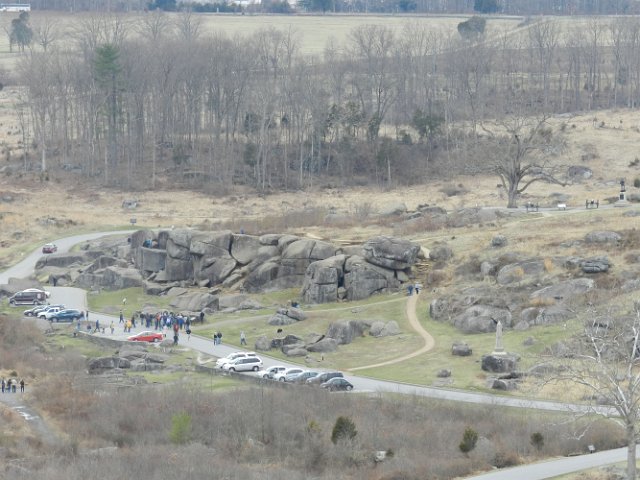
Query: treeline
[(509, 7), (162, 97)]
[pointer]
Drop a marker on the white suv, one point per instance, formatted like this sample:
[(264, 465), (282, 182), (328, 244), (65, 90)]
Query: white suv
[(232, 356), (243, 364), (281, 376), (49, 312), (270, 372)]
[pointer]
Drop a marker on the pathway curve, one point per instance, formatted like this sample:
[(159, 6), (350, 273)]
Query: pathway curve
[(16, 401), (429, 342)]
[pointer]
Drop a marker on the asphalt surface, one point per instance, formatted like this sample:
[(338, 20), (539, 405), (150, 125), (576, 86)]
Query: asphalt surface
[(76, 298)]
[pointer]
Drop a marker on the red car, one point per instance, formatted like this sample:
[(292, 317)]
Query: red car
[(49, 248), (146, 337)]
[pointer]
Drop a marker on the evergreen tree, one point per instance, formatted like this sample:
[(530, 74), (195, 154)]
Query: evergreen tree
[(21, 33)]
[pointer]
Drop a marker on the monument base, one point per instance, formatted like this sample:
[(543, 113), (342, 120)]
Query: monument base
[(622, 203)]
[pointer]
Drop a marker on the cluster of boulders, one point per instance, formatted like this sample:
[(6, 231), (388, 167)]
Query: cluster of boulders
[(325, 272), (338, 333), (525, 290), (133, 357)]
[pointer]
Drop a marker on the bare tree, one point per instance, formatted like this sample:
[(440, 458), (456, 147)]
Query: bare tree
[(520, 147), (606, 364), (45, 32)]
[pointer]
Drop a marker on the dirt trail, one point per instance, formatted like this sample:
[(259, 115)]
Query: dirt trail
[(16, 401), (429, 342)]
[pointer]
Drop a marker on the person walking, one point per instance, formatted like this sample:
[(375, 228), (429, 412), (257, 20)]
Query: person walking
[(22, 385), (219, 338), (3, 385), (410, 289), (243, 338), (97, 330), (188, 330), (202, 317), (112, 326), (121, 317)]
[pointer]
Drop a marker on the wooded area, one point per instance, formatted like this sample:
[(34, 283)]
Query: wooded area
[(161, 96)]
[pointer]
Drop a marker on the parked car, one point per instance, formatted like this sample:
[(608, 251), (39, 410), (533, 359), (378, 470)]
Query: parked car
[(268, 373), (30, 296), (49, 248), (337, 383), (49, 312), (47, 294), (232, 356), (66, 315), (33, 312), (323, 377), (304, 376), (243, 364), (282, 376), (147, 336)]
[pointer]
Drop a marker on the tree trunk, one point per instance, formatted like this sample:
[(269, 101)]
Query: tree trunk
[(513, 196), (631, 452)]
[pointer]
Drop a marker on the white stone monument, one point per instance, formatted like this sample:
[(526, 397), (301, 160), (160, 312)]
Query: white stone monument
[(499, 349)]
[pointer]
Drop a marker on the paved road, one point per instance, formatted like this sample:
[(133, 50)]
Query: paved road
[(539, 471)]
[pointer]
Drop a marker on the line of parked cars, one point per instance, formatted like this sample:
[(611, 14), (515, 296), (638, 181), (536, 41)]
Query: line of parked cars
[(249, 361), (55, 313)]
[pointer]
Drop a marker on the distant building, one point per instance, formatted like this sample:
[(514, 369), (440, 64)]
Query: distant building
[(15, 7)]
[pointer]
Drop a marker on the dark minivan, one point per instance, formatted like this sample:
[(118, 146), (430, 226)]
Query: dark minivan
[(29, 297)]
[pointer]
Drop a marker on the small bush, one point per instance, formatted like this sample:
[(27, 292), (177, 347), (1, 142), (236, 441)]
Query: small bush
[(636, 182), (506, 459), (537, 440), (180, 428), (469, 440), (344, 429)]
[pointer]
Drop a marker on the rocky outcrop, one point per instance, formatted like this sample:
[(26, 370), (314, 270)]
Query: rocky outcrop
[(271, 262), (384, 329), (61, 260), (194, 302), (603, 237), (461, 349), (101, 364), (391, 253), (595, 265), (563, 290)]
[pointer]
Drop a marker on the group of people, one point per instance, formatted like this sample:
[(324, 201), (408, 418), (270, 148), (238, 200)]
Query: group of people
[(414, 286), (592, 203), (11, 386)]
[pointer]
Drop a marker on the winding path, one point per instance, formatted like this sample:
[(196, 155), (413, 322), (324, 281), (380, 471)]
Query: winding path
[(429, 342)]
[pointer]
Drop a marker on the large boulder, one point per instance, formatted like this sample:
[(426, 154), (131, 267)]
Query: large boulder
[(299, 254), (61, 260), (499, 363), (390, 252), (440, 253), (214, 269), (517, 272), (211, 244), (595, 265), (322, 280), (194, 302), (152, 259), (461, 349), (362, 279), (482, 319), (118, 278), (345, 331), (563, 291), (603, 237), (177, 269), (324, 345), (262, 344), (179, 244), (244, 248)]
